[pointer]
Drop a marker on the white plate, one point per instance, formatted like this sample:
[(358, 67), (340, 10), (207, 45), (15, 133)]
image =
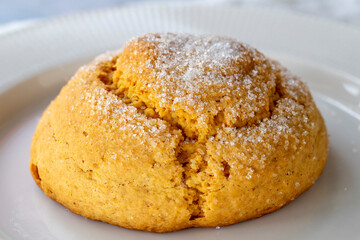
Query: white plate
[(36, 61)]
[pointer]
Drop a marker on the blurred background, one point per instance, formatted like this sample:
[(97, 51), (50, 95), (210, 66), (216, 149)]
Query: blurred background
[(13, 11)]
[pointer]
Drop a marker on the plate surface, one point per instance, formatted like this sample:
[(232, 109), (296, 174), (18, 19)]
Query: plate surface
[(36, 61)]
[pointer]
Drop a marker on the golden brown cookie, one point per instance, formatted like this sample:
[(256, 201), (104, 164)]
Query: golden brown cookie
[(179, 131)]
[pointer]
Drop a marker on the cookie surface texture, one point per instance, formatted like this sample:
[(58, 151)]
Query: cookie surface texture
[(177, 131)]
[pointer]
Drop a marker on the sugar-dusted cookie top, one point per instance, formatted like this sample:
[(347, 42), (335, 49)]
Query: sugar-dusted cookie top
[(204, 81)]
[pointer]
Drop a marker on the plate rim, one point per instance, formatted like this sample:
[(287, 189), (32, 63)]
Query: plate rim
[(41, 22)]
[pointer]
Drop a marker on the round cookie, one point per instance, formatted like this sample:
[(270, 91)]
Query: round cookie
[(178, 131)]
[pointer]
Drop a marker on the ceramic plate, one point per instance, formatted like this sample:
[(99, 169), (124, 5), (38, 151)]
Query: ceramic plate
[(37, 60)]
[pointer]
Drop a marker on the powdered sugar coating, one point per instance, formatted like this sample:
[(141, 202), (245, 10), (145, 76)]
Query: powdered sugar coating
[(207, 77), (190, 72), (111, 110)]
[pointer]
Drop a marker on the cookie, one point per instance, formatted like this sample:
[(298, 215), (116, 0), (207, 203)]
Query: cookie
[(177, 131)]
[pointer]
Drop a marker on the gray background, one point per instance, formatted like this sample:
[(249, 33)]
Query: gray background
[(347, 11)]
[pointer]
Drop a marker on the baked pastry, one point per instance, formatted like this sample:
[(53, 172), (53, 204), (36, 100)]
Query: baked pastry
[(178, 131)]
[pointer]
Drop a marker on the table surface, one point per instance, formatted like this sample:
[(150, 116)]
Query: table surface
[(347, 11)]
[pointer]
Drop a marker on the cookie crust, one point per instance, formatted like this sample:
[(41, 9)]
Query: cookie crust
[(177, 131)]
